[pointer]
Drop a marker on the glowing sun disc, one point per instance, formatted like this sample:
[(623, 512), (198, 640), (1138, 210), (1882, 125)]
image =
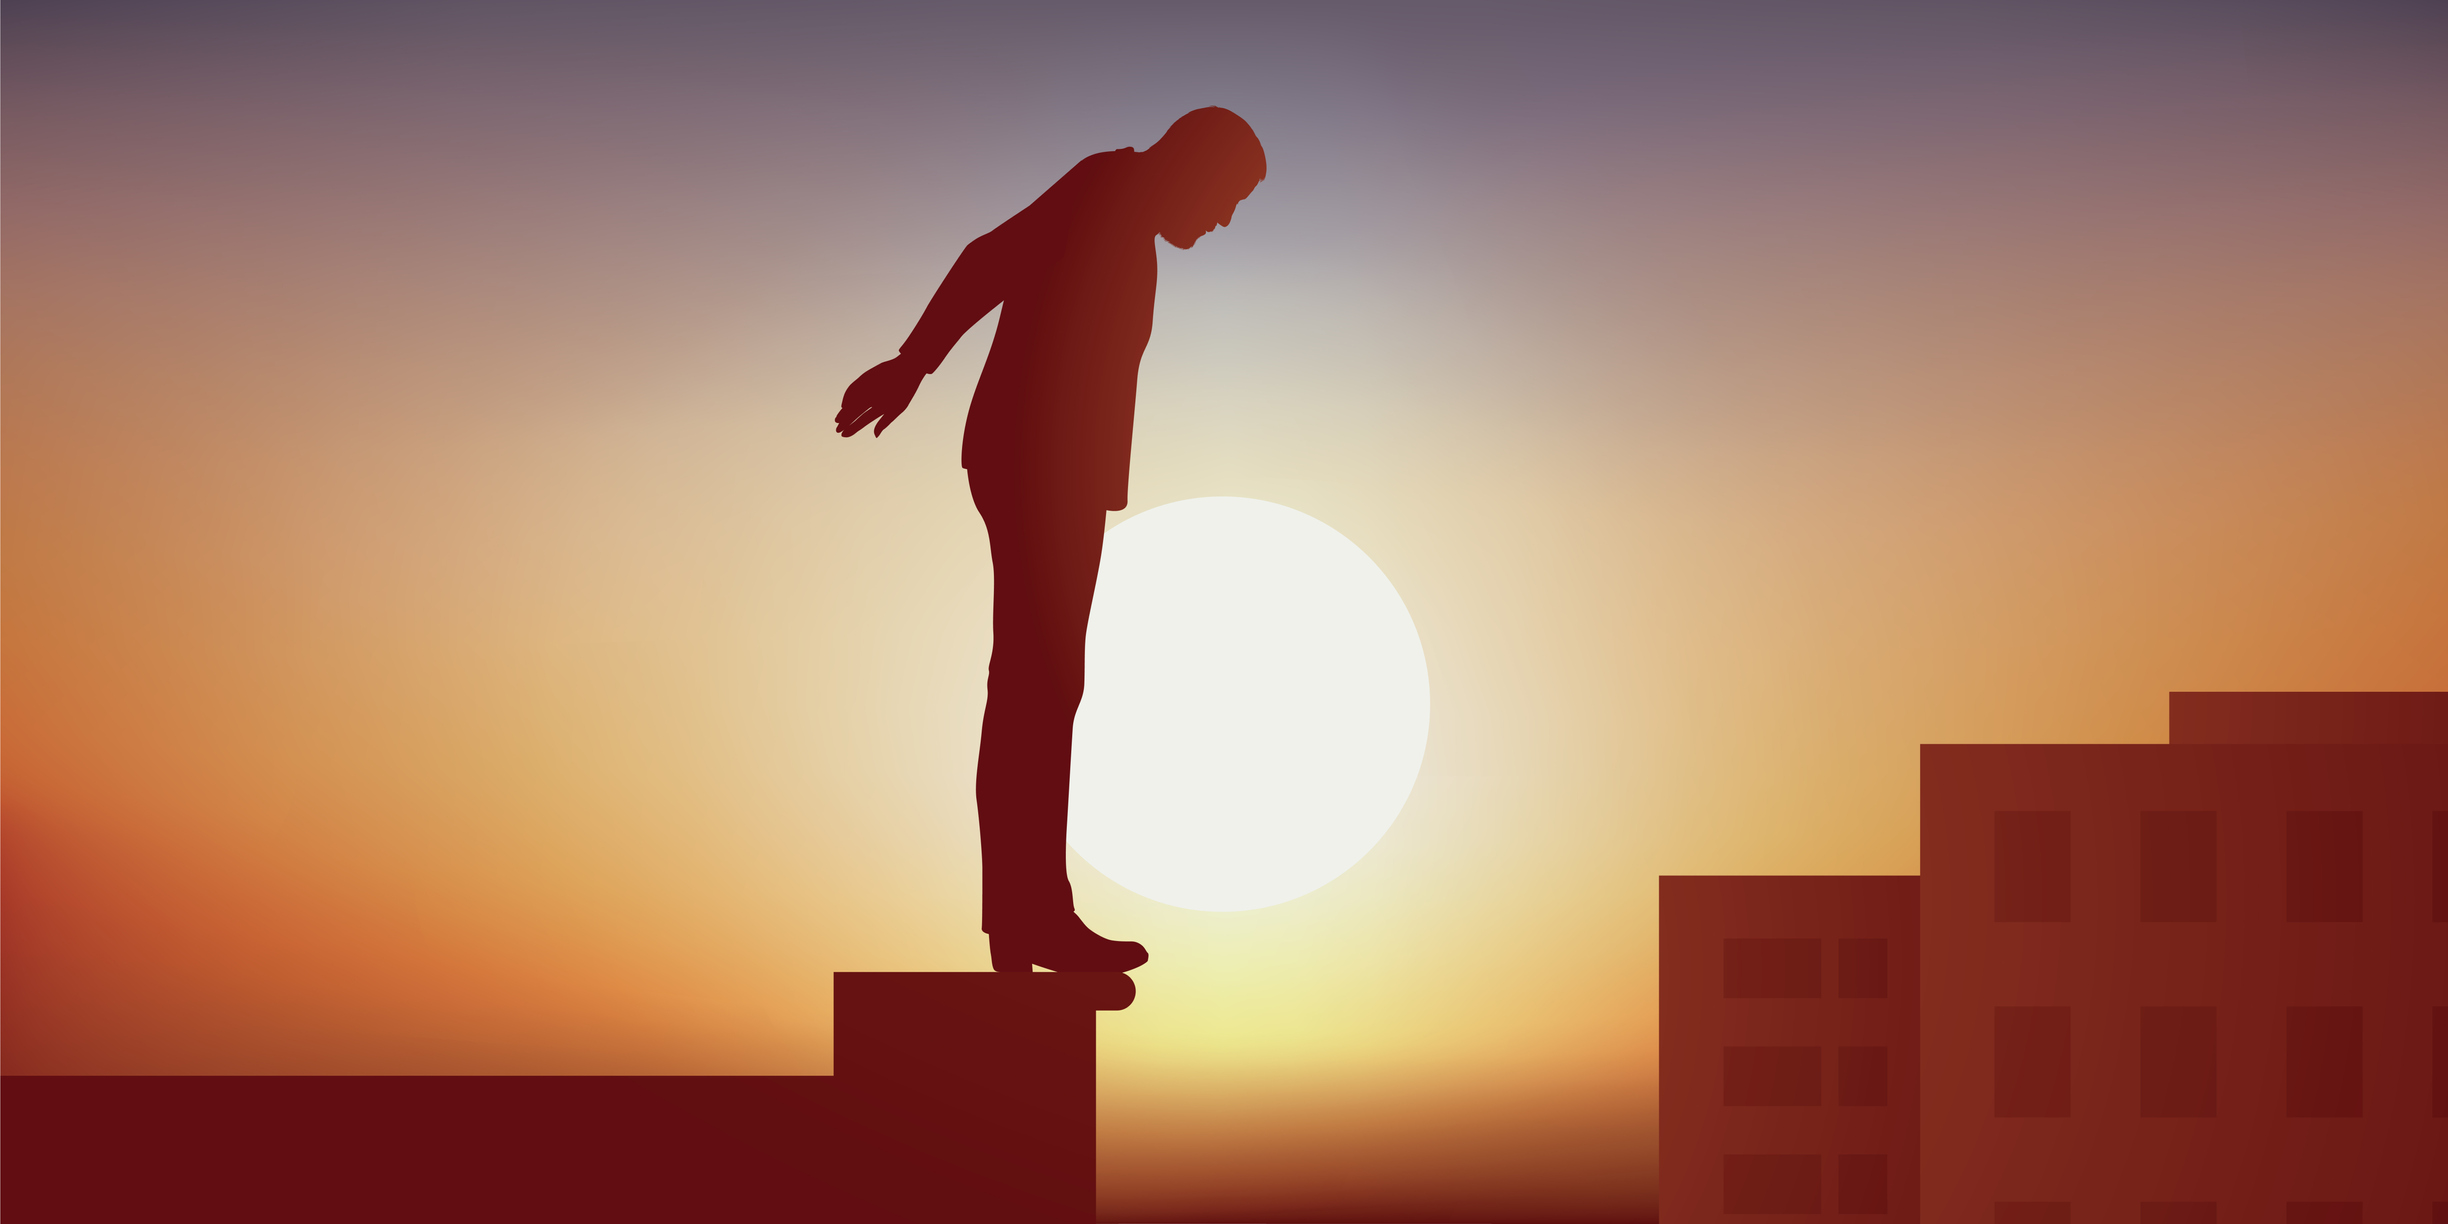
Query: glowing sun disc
[(1256, 710)]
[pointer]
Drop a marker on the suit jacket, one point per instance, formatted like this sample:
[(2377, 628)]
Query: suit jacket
[(1075, 273)]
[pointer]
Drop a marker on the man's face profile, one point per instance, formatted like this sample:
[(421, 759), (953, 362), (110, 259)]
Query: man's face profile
[(1194, 213)]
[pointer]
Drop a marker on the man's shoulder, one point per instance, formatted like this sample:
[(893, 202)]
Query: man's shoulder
[(1100, 167), (1097, 176), (1099, 182)]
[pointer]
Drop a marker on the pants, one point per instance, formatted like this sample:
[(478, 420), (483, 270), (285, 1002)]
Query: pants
[(1045, 570)]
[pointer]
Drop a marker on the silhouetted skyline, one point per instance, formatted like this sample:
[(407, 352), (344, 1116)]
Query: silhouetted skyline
[(442, 635), (2193, 981)]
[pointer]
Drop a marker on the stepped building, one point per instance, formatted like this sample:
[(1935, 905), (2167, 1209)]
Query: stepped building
[(2167, 983)]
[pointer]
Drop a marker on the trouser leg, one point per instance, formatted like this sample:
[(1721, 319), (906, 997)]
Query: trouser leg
[(1045, 569)]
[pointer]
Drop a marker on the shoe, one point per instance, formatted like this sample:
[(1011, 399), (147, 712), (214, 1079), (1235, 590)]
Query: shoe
[(1064, 945)]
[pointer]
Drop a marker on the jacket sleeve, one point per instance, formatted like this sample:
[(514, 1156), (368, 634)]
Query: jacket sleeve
[(978, 282), (991, 268)]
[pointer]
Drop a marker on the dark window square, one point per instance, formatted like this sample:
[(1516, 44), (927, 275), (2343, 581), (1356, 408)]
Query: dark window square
[(2034, 1063), (2033, 1213), (2439, 876), (2179, 1062), (1861, 1075), (1772, 1075), (2324, 867), (2179, 1213), (1861, 1185), (2324, 1213), (2439, 1066), (2324, 1062), (2034, 861), (1771, 1185), (1861, 968), (1772, 968), (2179, 867)]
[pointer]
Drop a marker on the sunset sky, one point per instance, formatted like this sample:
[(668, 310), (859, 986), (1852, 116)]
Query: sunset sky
[(443, 633)]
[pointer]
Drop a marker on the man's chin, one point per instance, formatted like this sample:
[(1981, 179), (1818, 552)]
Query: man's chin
[(1184, 241)]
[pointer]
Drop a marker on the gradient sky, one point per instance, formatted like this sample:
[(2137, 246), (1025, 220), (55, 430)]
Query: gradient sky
[(444, 635)]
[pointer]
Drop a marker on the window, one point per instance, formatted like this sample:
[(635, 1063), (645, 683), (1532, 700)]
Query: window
[(2324, 1063), (2439, 1066), (1861, 968), (2034, 864), (2179, 867), (2179, 1062), (1861, 1075), (1772, 968), (2324, 1213), (1771, 1185), (2179, 1213), (2034, 1213), (2034, 1062), (1772, 1075), (1861, 1185), (2324, 866), (2439, 871)]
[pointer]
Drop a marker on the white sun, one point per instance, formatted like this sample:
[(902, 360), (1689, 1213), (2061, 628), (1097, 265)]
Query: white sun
[(1256, 710)]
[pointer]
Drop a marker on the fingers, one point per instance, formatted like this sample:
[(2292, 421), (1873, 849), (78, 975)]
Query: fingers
[(864, 402), (853, 420), (858, 397), (849, 423), (858, 406)]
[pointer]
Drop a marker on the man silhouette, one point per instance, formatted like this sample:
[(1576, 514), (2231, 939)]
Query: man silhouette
[(1048, 453)]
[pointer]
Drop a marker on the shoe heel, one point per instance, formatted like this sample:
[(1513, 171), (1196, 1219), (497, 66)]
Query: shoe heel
[(1007, 955)]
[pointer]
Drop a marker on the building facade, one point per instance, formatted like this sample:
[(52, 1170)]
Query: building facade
[(1788, 1077), (2201, 982), (2189, 982)]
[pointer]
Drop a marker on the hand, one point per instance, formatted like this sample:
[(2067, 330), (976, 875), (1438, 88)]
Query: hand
[(879, 395)]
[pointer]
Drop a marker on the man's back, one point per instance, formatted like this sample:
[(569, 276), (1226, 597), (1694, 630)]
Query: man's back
[(1077, 276)]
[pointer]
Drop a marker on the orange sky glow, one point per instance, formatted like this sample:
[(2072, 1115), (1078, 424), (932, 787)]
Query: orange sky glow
[(444, 636)]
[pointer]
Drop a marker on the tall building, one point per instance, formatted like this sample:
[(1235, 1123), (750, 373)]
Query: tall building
[(2202, 982), (1788, 1077), (2190, 982)]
